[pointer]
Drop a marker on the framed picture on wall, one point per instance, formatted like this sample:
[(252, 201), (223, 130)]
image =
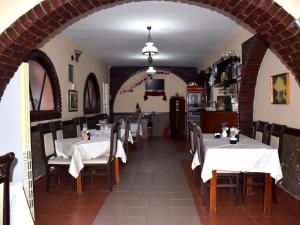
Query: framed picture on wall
[(280, 89), (73, 101)]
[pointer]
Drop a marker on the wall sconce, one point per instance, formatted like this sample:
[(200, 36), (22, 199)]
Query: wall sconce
[(77, 54)]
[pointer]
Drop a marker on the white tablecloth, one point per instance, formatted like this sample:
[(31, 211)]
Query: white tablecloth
[(19, 210), (107, 132), (80, 150), (248, 155)]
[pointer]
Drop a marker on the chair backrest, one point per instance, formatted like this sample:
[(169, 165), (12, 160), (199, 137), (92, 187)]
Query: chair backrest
[(138, 124), (57, 127), (113, 140), (47, 141), (92, 121), (5, 163), (80, 123), (276, 137), (192, 136), (127, 128), (261, 131), (103, 116), (200, 145)]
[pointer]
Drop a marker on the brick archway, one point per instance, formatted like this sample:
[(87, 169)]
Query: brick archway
[(266, 17)]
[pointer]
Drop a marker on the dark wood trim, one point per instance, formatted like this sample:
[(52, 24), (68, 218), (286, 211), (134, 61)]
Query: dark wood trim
[(91, 77), (39, 180), (147, 113), (42, 58), (292, 131), (67, 122)]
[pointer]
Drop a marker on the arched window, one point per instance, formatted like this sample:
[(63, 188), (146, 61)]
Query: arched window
[(45, 98), (91, 95)]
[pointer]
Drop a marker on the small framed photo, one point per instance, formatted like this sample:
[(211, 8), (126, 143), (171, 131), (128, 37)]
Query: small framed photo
[(280, 89), (71, 73), (73, 101)]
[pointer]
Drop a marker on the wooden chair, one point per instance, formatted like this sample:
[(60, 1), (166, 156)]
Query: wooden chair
[(225, 179), (53, 163), (192, 137), (57, 127), (5, 163), (92, 121), (79, 123), (261, 131), (105, 162), (136, 133), (126, 136), (103, 116), (274, 137)]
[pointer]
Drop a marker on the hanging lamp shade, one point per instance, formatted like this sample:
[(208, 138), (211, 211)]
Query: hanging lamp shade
[(149, 48), (151, 70)]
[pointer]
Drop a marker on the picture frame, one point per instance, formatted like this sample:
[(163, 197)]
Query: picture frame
[(71, 73), (73, 101), (280, 89)]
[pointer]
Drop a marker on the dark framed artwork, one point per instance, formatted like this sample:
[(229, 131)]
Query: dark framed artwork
[(71, 73), (73, 101), (280, 89)]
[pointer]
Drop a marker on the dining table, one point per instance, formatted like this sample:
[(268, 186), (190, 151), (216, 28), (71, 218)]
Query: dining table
[(247, 155), (79, 150)]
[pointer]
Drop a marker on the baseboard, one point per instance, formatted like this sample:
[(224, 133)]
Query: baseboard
[(287, 195), (39, 180)]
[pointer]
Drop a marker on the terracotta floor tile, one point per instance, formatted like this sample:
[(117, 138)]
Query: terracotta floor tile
[(267, 221), (290, 220), (240, 220), (74, 210), (162, 191), (79, 219)]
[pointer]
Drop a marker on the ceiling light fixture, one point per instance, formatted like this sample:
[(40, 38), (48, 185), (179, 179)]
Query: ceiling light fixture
[(149, 48)]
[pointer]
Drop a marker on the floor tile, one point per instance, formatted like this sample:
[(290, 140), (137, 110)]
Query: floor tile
[(157, 187)]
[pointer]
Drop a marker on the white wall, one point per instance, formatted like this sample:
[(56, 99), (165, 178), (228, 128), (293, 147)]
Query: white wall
[(126, 102), (233, 44), (10, 120), (263, 109), (59, 49)]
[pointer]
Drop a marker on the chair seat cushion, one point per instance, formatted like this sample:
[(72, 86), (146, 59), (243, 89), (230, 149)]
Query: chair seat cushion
[(59, 161), (99, 160)]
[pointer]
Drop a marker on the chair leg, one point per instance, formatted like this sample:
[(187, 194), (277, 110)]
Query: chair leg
[(109, 177), (47, 178), (205, 194), (274, 191), (58, 176), (238, 189), (73, 184), (244, 188)]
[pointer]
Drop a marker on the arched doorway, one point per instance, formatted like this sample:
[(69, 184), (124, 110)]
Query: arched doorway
[(275, 26)]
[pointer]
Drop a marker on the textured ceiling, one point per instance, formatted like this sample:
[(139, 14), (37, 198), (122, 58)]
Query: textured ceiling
[(184, 34)]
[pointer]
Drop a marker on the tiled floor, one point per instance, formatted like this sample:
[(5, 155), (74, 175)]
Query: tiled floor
[(157, 187)]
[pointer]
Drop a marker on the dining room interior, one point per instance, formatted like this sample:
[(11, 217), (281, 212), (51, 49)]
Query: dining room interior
[(150, 112)]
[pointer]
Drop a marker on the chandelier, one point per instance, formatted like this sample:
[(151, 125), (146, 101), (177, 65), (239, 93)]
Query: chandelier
[(150, 50)]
